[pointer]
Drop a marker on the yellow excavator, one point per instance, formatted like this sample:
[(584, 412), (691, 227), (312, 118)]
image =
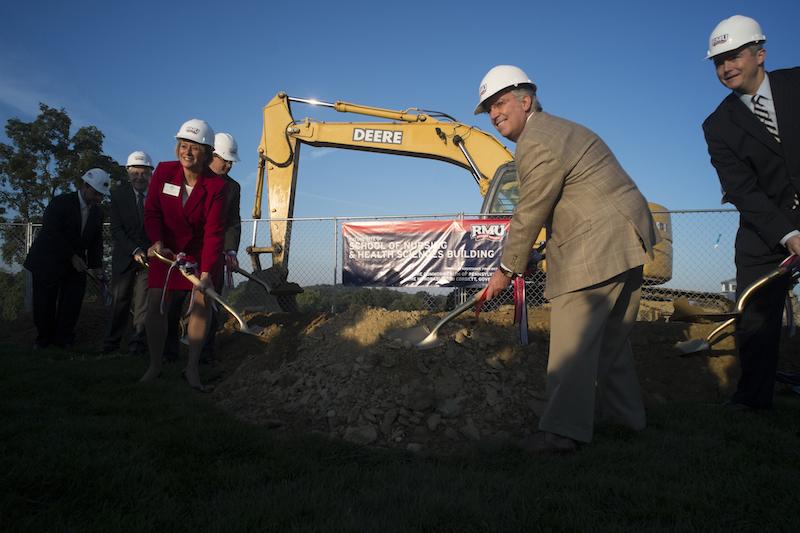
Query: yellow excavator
[(412, 132)]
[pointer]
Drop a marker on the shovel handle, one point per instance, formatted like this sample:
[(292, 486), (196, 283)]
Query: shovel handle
[(472, 300), (209, 291)]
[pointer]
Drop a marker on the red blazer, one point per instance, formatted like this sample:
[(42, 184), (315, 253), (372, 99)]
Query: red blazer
[(196, 229)]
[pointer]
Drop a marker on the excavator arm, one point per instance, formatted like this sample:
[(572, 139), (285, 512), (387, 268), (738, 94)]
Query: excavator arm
[(408, 133)]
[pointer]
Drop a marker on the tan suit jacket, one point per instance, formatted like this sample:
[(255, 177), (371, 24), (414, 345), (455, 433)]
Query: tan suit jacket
[(598, 222)]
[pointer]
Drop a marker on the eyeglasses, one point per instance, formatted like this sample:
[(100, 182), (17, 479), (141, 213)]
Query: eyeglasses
[(223, 160)]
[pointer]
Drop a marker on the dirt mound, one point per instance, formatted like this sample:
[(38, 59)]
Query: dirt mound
[(345, 376), (349, 379)]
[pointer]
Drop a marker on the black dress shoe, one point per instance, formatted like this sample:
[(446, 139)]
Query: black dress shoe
[(543, 442), (737, 407)]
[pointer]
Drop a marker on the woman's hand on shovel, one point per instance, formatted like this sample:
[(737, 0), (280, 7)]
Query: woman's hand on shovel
[(158, 248)]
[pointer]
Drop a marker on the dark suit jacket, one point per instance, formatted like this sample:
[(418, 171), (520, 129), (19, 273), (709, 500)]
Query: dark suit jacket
[(195, 229), (233, 220), (60, 238), (127, 228), (759, 175)]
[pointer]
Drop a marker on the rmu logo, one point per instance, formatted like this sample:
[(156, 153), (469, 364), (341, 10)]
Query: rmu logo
[(719, 39), (493, 232)]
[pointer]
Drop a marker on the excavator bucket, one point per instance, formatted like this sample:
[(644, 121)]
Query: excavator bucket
[(270, 287)]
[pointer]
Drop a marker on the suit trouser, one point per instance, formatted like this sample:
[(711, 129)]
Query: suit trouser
[(57, 305), (130, 293), (590, 367), (758, 334)]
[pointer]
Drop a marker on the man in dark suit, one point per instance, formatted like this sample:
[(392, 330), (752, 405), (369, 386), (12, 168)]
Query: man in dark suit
[(600, 234), (754, 142), (226, 153), (129, 257), (69, 243)]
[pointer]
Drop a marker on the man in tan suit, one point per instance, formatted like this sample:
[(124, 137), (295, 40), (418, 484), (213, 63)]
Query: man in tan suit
[(600, 234)]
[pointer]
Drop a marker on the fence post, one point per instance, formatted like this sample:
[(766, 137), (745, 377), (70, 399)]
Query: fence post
[(335, 260), (28, 298)]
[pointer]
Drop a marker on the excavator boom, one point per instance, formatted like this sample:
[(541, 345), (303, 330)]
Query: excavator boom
[(414, 134)]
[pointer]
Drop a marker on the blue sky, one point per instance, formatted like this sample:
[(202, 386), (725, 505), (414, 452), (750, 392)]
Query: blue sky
[(632, 71)]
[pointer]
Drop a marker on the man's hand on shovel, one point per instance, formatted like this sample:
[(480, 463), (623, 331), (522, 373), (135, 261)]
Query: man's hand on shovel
[(497, 284), (78, 263)]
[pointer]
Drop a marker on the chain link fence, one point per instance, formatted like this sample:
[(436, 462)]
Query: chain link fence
[(703, 268)]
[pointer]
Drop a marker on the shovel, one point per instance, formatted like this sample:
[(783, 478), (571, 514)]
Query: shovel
[(243, 327), (423, 338), (102, 288), (790, 266)]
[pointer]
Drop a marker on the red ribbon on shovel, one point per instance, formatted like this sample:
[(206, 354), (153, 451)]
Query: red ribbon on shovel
[(520, 310)]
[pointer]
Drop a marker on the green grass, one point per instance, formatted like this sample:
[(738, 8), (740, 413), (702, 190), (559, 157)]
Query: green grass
[(83, 447)]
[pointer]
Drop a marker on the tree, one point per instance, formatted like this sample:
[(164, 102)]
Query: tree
[(42, 161)]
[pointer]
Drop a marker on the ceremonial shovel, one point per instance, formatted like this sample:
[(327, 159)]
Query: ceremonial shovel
[(790, 266), (243, 327)]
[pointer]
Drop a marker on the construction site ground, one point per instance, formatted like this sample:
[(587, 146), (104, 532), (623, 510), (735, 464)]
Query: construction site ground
[(345, 375)]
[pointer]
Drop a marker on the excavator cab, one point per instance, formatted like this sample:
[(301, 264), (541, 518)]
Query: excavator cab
[(503, 193)]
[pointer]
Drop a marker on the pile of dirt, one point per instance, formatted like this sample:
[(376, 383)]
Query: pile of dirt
[(347, 377)]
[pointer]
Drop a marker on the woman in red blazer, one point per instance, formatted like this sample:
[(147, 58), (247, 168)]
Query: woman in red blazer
[(183, 212)]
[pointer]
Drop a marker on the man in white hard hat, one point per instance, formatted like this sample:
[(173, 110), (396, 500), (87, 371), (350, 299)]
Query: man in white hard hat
[(226, 153), (128, 259), (69, 244), (600, 234), (754, 143)]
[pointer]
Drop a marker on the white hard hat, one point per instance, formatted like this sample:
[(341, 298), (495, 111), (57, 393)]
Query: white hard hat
[(499, 78), (225, 146), (198, 131), (139, 159), (99, 179), (733, 33)]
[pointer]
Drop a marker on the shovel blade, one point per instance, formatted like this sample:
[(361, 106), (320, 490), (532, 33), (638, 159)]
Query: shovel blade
[(692, 346), (419, 337), (251, 330)]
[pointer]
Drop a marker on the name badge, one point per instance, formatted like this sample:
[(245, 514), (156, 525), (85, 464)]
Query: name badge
[(171, 189)]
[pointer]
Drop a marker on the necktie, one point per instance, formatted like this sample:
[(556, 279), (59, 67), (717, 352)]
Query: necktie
[(84, 217), (763, 115), (140, 204)]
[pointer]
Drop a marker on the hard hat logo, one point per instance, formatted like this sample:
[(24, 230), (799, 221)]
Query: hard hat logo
[(482, 90), (716, 41), (192, 130)]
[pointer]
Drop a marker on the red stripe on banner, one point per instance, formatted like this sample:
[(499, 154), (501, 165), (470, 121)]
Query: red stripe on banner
[(418, 226)]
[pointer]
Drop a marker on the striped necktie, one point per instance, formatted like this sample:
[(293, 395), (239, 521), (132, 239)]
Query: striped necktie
[(763, 115)]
